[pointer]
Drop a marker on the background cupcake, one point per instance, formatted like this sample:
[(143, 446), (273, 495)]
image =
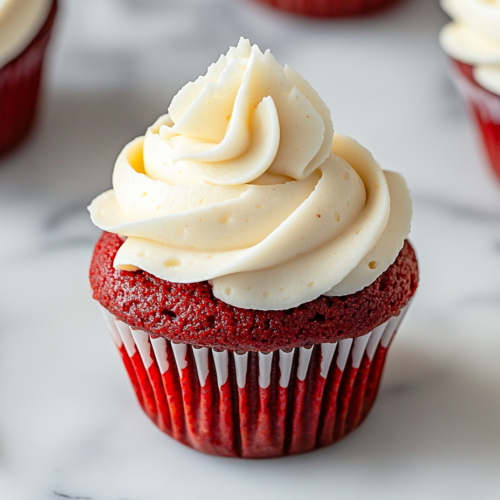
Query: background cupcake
[(261, 271), (472, 40), (25, 28), (330, 8)]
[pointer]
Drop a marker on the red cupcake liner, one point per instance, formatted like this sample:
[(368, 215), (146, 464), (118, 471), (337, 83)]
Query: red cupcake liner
[(330, 8), (254, 404), (484, 106), (20, 87)]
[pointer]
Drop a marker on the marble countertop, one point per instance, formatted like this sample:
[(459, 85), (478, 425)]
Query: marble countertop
[(69, 424)]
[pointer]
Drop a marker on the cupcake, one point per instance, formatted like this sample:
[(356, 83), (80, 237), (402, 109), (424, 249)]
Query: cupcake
[(330, 8), (254, 267), (25, 27), (472, 41)]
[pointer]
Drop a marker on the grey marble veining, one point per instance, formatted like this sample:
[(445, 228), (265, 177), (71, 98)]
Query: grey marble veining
[(69, 424)]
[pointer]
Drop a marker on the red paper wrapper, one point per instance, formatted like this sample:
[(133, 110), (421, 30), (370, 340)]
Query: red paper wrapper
[(20, 87), (254, 405), (330, 8), (484, 107)]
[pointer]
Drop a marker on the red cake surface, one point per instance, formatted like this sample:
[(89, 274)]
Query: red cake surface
[(189, 313)]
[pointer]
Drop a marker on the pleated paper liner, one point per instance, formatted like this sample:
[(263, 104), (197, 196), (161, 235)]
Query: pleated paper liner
[(20, 81), (330, 8), (484, 106), (254, 405)]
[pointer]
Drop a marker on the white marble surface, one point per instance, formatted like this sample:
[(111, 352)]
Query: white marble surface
[(69, 424)]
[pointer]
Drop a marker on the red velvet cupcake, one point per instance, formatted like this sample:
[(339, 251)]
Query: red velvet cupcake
[(258, 269), (25, 29), (472, 41), (330, 8)]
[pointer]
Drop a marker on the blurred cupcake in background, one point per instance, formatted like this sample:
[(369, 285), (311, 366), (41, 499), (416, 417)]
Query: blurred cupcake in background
[(472, 40), (25, 28), (330, 8)]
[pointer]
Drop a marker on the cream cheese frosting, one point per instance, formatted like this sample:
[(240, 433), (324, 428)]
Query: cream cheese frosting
[(20, 21), (244, 184), (473, 37)]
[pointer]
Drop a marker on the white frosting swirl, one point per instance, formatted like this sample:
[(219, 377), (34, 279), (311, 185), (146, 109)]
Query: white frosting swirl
[(239, 184), (20, 21), (473, 37)]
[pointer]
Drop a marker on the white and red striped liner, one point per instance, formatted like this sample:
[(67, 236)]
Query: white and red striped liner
[(254, 404)]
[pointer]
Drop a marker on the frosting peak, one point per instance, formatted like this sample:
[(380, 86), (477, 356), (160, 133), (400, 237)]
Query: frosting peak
[(243, 184), (248, 115)]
